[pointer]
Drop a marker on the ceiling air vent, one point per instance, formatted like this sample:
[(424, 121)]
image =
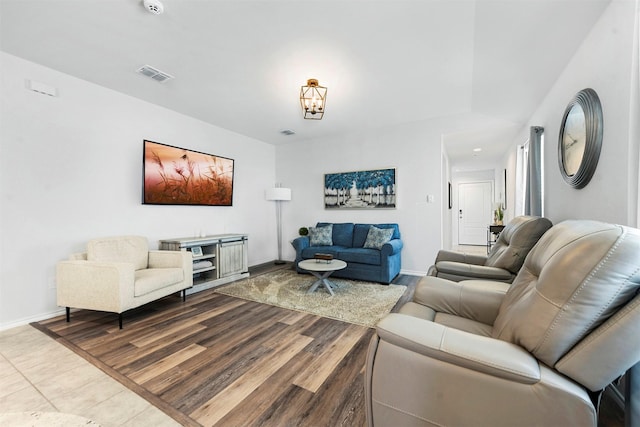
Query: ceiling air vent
[(154, 73)]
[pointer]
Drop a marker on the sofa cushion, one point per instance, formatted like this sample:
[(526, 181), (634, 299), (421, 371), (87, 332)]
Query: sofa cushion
[(312, 250), (131, 249), (377, 237), (360, 232), (321, 236), (360, 256), (152, 279), (342, 233)]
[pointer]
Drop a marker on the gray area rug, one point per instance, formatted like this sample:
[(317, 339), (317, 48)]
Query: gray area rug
[(357, 302)]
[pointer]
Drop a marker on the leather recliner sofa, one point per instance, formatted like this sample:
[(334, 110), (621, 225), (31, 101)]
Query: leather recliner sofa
[(504, 260), (537, 352)]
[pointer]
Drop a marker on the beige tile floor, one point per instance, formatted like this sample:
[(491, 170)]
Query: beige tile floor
[(39, 374)]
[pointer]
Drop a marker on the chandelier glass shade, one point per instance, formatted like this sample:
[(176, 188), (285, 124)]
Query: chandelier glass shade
[(312, 100)]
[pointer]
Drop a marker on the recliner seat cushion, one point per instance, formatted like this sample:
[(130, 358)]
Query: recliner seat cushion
[(548, 320)]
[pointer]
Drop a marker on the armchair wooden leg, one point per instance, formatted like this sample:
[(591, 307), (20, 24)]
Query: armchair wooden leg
[(184, 295), (68, 310), (120, 320)]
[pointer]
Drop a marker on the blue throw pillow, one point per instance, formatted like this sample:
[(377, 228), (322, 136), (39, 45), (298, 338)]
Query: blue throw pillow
[(377, 237), (321, 236)]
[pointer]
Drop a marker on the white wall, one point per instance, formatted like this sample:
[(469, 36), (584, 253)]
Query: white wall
[(413, 149), (606, 62), (71, 170)]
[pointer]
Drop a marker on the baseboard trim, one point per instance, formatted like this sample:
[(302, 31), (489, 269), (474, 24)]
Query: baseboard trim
[(413, 272), (30, 319)]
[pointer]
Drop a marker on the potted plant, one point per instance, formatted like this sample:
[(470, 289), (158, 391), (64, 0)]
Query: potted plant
[(498, 215), (303, 231)]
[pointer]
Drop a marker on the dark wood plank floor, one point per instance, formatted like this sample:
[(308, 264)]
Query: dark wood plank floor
[(219, 360)]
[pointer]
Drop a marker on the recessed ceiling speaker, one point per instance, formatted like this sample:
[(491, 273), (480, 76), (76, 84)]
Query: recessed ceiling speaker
[(154, 6)]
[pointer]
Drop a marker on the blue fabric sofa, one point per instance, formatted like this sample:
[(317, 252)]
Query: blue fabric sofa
[(375, 265)]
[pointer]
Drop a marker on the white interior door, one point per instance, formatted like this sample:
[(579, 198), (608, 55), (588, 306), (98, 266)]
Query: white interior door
[(474, 212)]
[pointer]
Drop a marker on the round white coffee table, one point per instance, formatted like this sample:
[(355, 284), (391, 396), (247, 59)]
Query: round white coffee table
[(321, 270)]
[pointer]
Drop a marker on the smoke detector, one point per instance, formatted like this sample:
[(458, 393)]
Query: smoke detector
[(154, 6)]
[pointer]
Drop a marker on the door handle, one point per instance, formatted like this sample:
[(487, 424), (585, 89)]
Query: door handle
[(460, 214)]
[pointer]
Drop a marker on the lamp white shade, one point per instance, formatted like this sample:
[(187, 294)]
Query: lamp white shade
[(278, 193)]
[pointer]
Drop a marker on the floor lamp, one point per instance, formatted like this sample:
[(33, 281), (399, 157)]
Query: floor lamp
[(279, 194)]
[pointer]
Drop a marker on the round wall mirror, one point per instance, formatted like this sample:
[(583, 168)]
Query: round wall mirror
[(580, 138)]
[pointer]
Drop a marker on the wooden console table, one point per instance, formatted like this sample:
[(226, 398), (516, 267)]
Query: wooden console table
[(217, 259)]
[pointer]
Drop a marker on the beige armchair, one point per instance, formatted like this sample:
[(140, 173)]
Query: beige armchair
[(504, 260), (117, 274), (537, 352)]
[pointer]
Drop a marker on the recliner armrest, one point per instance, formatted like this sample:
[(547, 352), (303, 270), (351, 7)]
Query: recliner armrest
[(444, 255), (478, 353), (477, 300), (472, 271)]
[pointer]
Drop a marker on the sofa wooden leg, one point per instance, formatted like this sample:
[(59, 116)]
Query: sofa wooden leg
[(68, 310), (120, 320), (184, 295)]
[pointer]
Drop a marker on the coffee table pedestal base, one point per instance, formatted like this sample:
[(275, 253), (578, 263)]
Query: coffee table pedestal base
[(322, 280)]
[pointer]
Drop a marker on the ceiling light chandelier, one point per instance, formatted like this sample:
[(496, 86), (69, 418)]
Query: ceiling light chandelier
[(312, 99)]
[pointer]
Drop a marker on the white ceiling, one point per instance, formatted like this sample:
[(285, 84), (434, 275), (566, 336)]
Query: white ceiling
[(483, 65)]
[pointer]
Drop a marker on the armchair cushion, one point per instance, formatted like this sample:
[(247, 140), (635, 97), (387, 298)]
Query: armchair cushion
[(152, 279), (132, 249)]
